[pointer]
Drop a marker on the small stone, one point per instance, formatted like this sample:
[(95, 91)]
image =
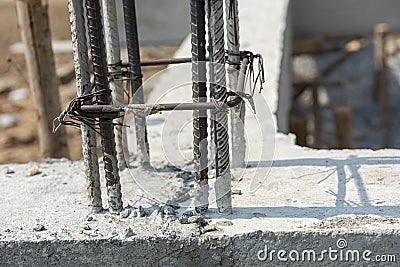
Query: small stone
[(184, 219), (154, 213), (168, 210), (125, 213), (8, 121), (7, 231), (195, 219), (184, 175), (129, 232), (18, 94), (217, 258), (134, 214), (89, 218), (113, 234), (236, 192), (33, 172), (173, 204), (142, 212), (188, 213), (86, 227), (209, 228), (9, 171), (39, 228)]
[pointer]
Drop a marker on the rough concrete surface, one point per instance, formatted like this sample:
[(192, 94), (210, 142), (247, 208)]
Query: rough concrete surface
[(308, 201)]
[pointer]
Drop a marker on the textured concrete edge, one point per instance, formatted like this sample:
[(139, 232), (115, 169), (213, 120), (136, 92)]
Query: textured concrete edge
[(204, 251)]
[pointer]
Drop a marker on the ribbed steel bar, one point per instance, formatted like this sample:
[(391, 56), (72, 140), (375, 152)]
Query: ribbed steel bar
[(83, 86), (116, 85), (199, 89), (132, 42), (162, 61), (219, 93), (238, 141), (97, 46)]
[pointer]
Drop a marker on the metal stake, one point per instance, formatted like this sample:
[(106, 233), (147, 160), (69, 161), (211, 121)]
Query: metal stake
[(132, 42), (89, 143), (96, 40)]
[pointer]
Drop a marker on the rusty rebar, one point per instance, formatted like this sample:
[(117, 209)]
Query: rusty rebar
[(97, 47), (83, 86), (219, 93), (132, 42), (199, 89)]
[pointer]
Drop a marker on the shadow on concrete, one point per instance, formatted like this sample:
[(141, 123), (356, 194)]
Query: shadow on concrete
[(342, 206)]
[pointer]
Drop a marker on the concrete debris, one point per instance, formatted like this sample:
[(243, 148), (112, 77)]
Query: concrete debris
[(216, 258), (9, 171), (188, 213), (184, 219), (156, 213), (196, 219), (168, 210), (129, 232), (188, 217), (39, 227), (134, 214), (33, 172), (208, 228), (8, 121), (125, 213), (142, 212), (19, 94), (186, 175), (86, 227)]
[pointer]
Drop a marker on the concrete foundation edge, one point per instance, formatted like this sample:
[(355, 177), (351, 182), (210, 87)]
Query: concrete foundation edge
[(240, 250)]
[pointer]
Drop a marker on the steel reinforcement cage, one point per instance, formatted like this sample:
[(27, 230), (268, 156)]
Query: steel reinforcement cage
[(99, 106)]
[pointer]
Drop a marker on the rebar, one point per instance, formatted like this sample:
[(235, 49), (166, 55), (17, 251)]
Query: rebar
[(132, 42), (113, 59), (219, 93), (199, 89), (89, 142), (238, 141), (97, 47)]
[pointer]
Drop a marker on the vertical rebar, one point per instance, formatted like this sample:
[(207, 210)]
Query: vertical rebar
[(97, 46), (132, 42), (199, 77), (114, 67), (238, 141), (219, 93), (89, 142)]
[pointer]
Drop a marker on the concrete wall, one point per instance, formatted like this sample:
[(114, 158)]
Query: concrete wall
[(160, 22), (343, 17)]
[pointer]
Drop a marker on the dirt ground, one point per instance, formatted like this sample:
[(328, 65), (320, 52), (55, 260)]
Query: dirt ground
[(20, 143)]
